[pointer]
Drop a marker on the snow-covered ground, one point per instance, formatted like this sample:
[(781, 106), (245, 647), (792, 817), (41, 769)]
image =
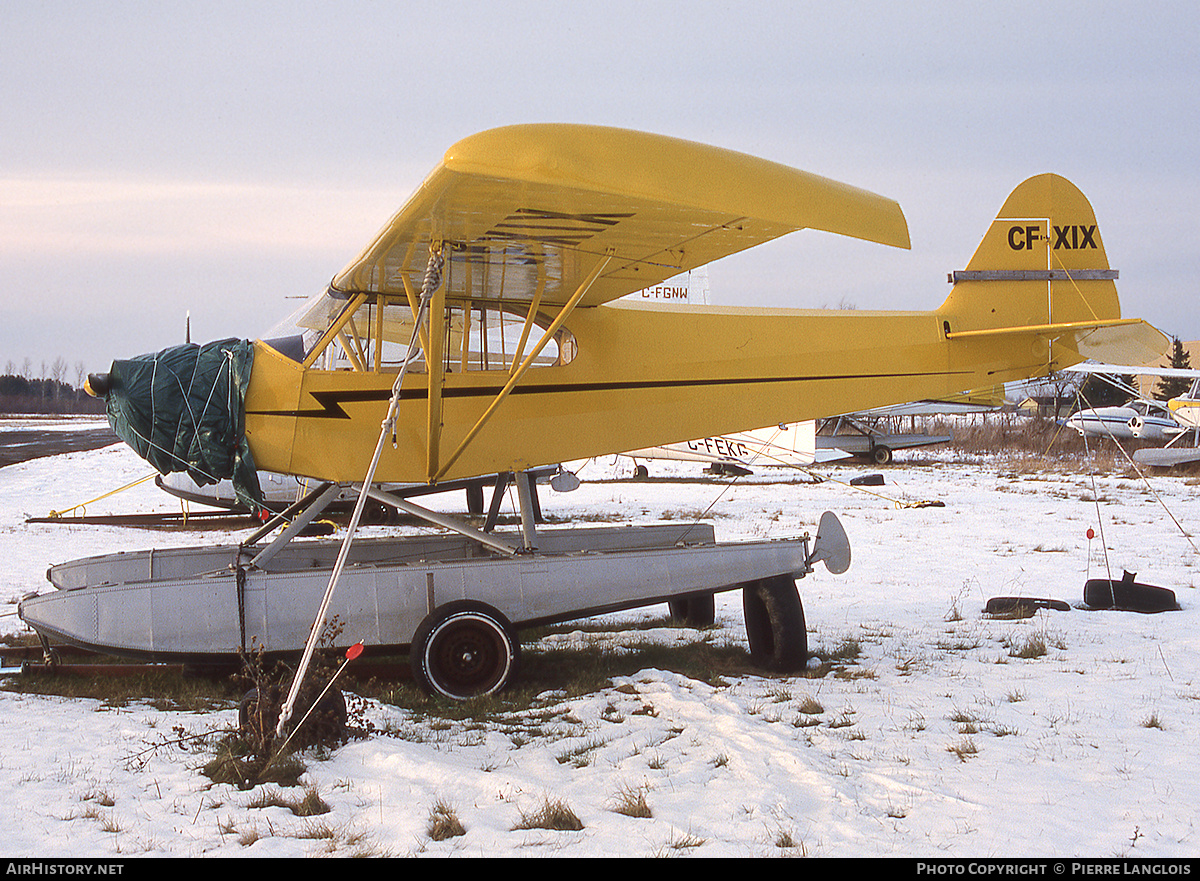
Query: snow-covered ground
[(938, 740)]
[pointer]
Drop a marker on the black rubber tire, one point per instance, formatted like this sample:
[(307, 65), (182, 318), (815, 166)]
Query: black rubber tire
[(867, 480), (640, 472), (1022, 606), (775, 624), (881, 456), (1127, 595), (694, 611), (464, 649)]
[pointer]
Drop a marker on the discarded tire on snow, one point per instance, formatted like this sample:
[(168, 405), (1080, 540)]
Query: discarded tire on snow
[(867, 480), (1022, 607), (694, 611), (464, 649), (1127, 595), (775, 624)]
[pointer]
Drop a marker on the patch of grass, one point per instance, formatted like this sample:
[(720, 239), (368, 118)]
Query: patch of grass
[(967, 723), (443, 822), (631, 802), (964, 749), (1153, 721), (1033, 646), (168, 689), (785, 839), (957, 644), (849, 649), (100, 797), (107, 822), (550, 814), (308, 804), (810, 706), (686, 841), (248, 837), (612, 714), (578, 670), (580, 756)]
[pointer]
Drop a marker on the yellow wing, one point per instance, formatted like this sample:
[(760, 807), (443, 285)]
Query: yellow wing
[(532, 206)]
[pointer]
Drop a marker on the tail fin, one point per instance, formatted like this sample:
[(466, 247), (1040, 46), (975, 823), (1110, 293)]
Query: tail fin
[(1041, 269)]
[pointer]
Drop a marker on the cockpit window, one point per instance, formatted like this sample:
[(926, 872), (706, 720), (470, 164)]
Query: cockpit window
[(377, 336)]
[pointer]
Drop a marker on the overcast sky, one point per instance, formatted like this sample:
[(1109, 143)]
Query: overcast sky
[(218, 158)]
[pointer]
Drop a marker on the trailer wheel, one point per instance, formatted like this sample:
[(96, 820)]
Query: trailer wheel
[(775, 624), (881, 456), (694, 611), (464, 649)]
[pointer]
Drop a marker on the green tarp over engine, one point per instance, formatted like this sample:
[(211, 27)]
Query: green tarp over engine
[(183, 409)]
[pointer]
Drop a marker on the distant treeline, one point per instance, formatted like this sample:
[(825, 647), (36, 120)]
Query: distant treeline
[(19, 394)]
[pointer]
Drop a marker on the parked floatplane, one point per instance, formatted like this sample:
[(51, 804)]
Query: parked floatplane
[(482, 333), (1171, 421)]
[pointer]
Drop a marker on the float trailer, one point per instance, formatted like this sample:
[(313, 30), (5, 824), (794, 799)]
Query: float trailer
[(454, 603)]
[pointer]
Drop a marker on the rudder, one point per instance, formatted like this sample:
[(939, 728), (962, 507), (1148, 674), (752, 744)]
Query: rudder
[(1041, 262)]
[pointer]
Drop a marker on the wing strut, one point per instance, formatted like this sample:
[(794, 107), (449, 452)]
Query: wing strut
[(433, 281), (517, 374)]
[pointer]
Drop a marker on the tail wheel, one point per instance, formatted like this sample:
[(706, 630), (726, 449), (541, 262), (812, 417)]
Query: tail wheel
[(881, 455), (464, 649), (694, 611), (775, 624)]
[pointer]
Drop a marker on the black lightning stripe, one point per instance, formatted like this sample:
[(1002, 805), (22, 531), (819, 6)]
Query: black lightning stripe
[(331, 401)]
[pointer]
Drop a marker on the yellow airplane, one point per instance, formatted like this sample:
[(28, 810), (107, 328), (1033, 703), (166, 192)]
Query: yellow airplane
[(483, 330), (510, 259)]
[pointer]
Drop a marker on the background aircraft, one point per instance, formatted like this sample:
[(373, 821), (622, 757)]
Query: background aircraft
[(787, 445), (1139, 419), (1173, 421)]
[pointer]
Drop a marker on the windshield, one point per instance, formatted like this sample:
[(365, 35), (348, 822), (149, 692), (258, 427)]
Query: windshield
[(376, 336)]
